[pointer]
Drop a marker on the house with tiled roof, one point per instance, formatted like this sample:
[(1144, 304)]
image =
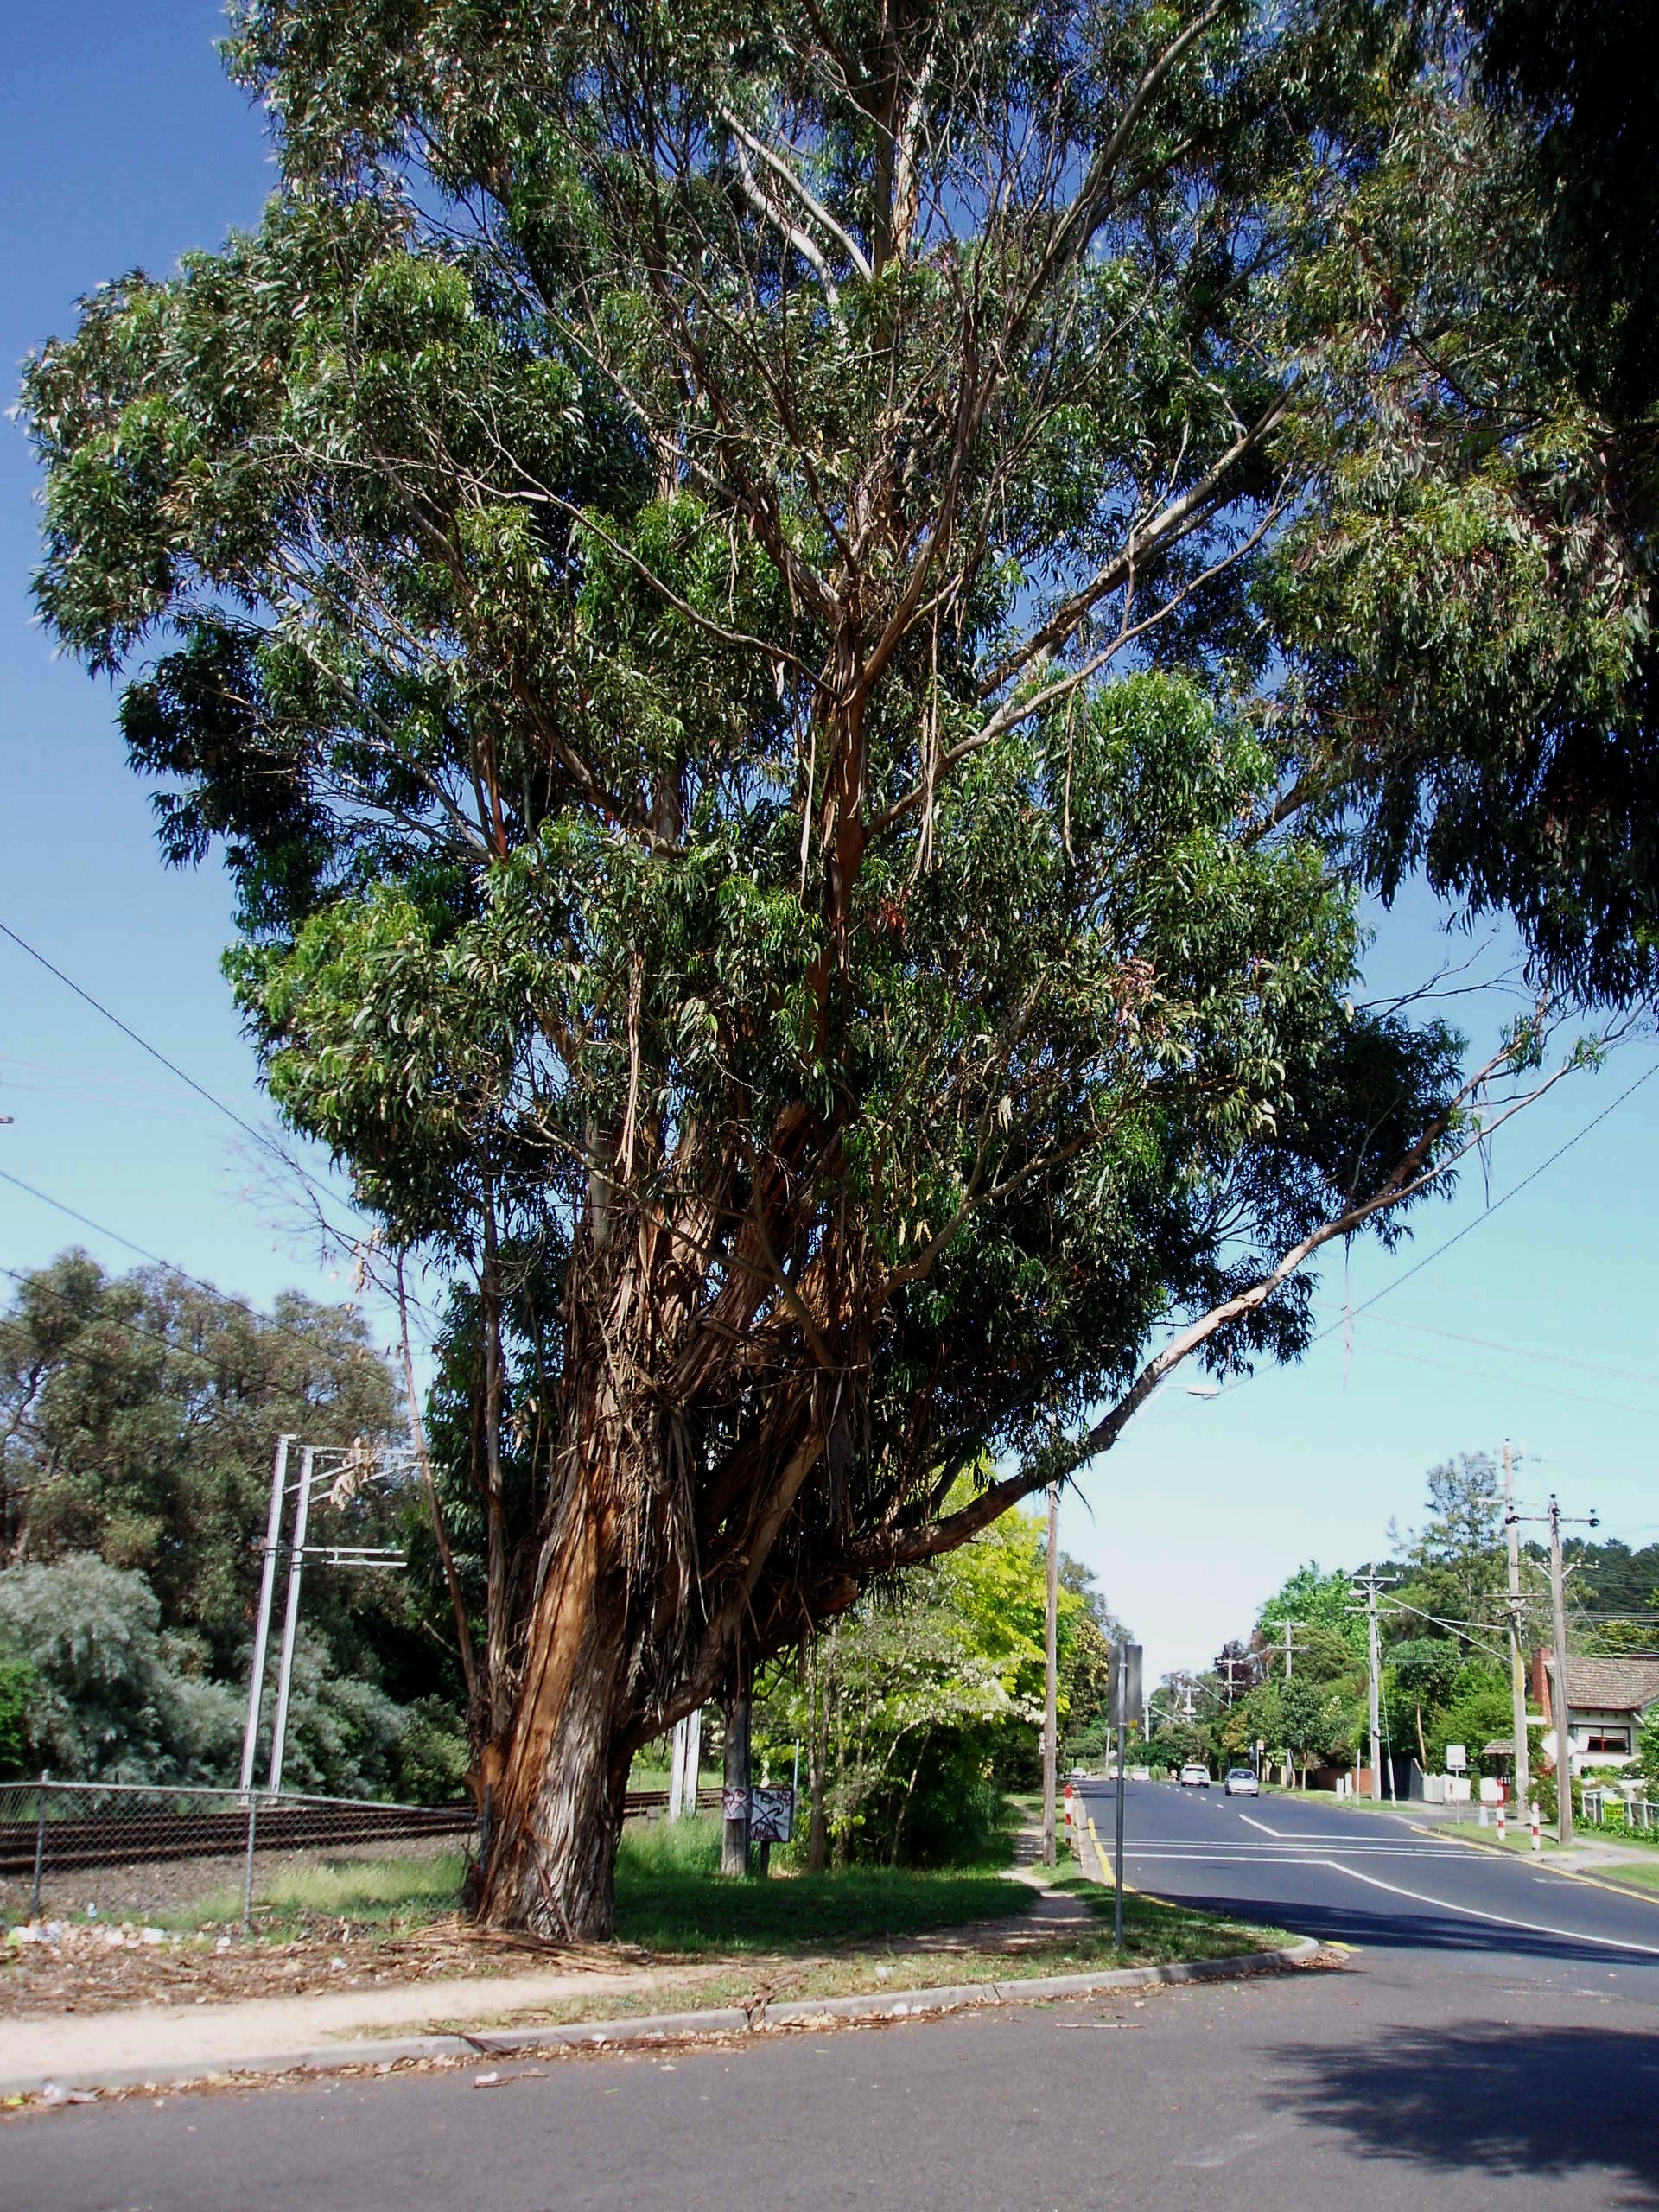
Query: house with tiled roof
[(1606, 1699)]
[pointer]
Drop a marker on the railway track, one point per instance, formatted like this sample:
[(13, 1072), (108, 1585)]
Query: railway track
[(128, 1839)]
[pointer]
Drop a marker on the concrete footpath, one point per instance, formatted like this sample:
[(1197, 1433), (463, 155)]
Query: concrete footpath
[(171, 2042)]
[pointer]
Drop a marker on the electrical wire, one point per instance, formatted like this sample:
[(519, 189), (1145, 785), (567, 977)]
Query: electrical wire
[(1469, 1227), (99, 1228), (1506, 1382), (1523, 1352), (1514, 1192), (260, 1137)]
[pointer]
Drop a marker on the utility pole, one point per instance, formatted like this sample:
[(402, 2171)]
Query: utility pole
[(1231, 1686), (290, 1619), (359, 1555), (1561, 1703), (1051, 1673), (1291, 1648), (1517, 1660), (1371, 1582), (262, 1631)]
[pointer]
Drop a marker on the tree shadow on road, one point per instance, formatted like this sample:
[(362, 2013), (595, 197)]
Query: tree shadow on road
[(1555, 2102)]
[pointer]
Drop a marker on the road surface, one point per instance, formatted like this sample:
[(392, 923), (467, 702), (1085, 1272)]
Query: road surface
[(1493, 2039)]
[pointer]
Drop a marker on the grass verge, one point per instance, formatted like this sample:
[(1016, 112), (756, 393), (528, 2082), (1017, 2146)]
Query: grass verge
[(671, 1898), (371, 1895), (1641, 1873), (1157, 1931), (1517, 1839)]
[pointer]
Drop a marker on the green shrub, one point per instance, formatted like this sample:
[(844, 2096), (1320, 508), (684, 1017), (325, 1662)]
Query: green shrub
[(433, 1758), (18, 1690)]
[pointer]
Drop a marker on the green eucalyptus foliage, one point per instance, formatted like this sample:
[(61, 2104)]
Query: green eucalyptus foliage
[(1466, 601), (698, 564)]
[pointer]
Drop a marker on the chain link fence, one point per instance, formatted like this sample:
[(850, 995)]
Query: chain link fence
[(132, 1850)]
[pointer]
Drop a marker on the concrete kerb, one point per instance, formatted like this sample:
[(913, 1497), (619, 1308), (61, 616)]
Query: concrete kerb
[(664, 2027)]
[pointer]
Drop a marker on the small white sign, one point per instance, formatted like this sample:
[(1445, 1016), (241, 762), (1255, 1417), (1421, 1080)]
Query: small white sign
[(1456, 1759)]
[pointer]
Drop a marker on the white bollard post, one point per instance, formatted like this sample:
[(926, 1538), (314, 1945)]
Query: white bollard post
[(1502, 1825), (1538, 1840)]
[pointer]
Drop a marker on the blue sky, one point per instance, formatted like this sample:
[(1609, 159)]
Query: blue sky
[(121, 144)]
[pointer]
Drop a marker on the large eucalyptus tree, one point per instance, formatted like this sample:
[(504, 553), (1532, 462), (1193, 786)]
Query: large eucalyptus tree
[(699, 565)]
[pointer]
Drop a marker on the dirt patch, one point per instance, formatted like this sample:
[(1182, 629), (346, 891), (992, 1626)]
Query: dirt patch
[(95, 1969)]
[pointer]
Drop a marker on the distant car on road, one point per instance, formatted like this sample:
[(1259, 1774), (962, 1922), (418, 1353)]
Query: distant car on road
[(1240, 1783), (1194, 1776), (1079, 1774)]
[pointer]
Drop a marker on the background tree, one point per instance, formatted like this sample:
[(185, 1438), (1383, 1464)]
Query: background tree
[(139, 1415), (1458, 1561)]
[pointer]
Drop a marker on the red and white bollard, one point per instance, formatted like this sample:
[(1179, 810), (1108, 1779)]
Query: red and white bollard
[(1068, 1817), (1502, 1825), (1538, 1840)]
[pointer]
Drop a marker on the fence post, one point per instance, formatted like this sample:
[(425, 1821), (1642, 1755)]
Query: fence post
[(40, 1843), (247, 1872)]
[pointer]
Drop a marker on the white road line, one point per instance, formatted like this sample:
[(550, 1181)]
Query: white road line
[(1262, 1825), (1267, 1855), (1499, 1919)]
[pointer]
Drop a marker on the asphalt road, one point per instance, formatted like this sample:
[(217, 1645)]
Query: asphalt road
[(1491, 2037)]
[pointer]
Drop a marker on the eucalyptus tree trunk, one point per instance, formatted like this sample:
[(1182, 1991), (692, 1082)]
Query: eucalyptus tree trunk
[(558, 1806)]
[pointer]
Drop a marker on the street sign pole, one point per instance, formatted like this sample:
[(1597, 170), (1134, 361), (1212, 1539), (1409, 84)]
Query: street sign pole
[(1124, 1687), (1117, 1875)]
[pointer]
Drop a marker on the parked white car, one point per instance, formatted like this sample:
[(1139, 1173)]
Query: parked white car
[(1194, 1776), (1240, 1783)]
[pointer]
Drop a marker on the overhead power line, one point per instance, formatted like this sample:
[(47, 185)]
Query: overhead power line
[(1507, 1382), (1523, 1352), (207, 1289), (1468, 1229), (260, 1136), (1514, 1192)]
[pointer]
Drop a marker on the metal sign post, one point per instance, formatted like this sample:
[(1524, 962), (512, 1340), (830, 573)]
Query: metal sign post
[(1124, 1691)]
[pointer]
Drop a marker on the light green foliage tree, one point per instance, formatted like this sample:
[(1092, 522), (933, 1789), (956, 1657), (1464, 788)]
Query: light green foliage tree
[(110, 1696), (713, 573), (916, 1709), (1476, 1713), (1331, 1628), (1647, 1750)]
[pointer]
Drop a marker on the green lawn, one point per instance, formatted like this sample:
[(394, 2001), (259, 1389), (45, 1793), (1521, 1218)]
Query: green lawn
[(670, 1898), (1644, 1874)]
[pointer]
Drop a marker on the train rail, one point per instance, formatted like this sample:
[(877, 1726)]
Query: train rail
[(121, 1838)]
